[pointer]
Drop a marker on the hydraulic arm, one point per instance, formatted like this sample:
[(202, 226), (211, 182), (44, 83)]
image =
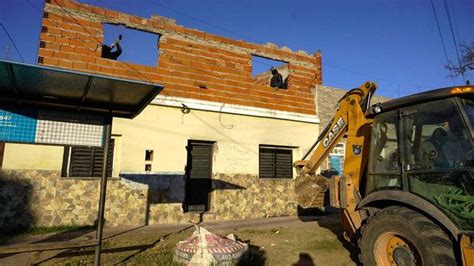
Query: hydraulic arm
[(351, 123)]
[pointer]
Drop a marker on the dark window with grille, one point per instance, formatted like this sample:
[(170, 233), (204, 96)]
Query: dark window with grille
[(87, 161), (275, 162)]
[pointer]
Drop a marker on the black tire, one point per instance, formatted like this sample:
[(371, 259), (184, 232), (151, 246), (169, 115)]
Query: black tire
[(425, 242)]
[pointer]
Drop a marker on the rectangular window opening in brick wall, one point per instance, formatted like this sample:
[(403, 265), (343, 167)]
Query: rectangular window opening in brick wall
[(129, 45), (275, 162), (270, 72)]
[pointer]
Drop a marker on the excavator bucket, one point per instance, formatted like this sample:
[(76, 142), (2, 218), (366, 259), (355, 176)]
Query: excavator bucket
[(311, 190)]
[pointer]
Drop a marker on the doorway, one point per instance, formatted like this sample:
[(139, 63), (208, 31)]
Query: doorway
[(198, 176)]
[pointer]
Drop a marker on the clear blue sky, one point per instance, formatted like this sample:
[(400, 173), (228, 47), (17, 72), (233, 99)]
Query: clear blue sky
[(395, 43)]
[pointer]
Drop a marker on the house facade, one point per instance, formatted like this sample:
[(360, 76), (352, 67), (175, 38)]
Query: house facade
[(216, 144)]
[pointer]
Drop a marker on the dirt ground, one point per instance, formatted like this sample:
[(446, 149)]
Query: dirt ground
[(272, 241)]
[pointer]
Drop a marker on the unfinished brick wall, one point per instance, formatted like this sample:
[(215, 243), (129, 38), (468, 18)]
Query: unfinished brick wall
[(191, 63)]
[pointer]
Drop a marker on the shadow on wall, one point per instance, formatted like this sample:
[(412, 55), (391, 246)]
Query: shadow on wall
[(161, 188), (223, 185), (171, 188), (15, 199)]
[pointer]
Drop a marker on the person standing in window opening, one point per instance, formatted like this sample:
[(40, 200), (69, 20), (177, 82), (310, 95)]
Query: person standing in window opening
[(277, 80), (285, 84), (107, 50)]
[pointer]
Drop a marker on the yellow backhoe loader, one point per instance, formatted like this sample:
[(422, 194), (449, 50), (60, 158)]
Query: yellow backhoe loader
[(406, 192)]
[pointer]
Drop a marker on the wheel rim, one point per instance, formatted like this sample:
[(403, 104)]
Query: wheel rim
[(394, 249)]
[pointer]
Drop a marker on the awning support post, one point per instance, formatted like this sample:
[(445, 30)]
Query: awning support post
[(103, 191)]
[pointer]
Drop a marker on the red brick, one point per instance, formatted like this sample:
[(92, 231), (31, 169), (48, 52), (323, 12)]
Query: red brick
[(98, 11), (111, 14), (46, 37), (183, 65), (81, 50), (45, 53), (52, 46), (89, 59), (76, 42), (94, 53), (120, 72), (62, 55), (92, 46), (67, 48), (135, 20), (54, 31), (79, 66), (73, 27), (158, 24), (103, 62), (60, 2), (92, 67), (62, 40), (65, 63), (95, 25), (48, 23), (107, 70), (69, 34), (53, 17), (86, 8), (78, 57)]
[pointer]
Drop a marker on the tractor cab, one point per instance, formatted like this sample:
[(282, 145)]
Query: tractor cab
[(423, 145)]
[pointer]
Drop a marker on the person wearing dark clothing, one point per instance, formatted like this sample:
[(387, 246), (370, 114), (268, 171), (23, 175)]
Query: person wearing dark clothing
[(285, 84), (107, 50), (277, 80)]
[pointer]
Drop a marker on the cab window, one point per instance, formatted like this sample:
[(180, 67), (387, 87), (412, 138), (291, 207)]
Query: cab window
[(384, 163)]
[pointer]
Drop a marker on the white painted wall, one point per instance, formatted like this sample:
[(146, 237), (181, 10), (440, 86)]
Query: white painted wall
[(166, 130)]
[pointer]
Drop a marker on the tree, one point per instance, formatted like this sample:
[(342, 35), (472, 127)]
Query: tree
[(467, 60)]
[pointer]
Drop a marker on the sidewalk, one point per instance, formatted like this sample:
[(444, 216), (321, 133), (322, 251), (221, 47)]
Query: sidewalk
[(139, 239)]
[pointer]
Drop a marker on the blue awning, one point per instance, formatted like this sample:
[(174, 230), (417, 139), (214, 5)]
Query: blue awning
[(27, 85)]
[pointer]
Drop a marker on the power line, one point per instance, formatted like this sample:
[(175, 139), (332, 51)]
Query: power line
[(238, 34), (214, 26), (380, 91), (13, 42), (372, 76), (203, 21), (455, 21), (33, 6), (442, 40), (251, 39), (454, 38)]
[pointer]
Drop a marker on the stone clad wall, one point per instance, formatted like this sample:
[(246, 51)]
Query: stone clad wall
[(43, 198), (247, 196), (239, 196)]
